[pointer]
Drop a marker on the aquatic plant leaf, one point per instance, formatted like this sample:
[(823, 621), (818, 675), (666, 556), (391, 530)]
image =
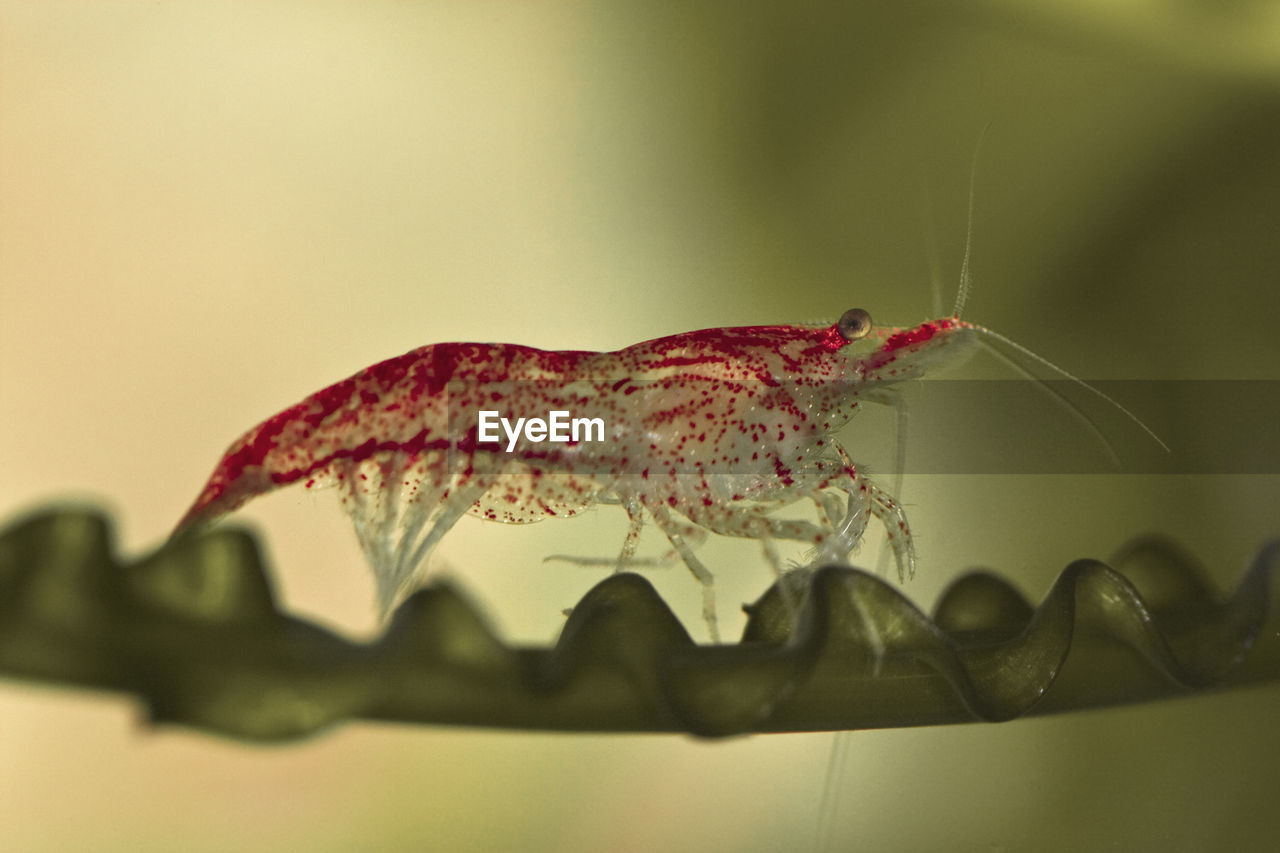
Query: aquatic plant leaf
[(194, 632)]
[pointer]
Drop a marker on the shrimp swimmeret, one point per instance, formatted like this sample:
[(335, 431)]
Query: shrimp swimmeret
[(709, 430)]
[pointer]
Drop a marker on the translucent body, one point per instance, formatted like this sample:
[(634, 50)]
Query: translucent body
[(709, 430)]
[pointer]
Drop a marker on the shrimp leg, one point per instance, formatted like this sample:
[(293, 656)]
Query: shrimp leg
[(635, 519), (700, 572), (389, 526), (693, 536), (865, 496)]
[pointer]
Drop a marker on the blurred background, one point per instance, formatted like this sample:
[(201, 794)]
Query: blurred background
[(209, 210)]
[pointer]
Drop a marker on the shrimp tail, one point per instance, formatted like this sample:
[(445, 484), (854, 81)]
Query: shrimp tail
[(234, 481), (395, 405)]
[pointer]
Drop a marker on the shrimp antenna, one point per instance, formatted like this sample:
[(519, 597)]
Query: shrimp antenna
[(962, 296), (1070, 377), (931, 245), (966, 279)]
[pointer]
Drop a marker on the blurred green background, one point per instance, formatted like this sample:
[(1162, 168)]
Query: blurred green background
[(208, 211)]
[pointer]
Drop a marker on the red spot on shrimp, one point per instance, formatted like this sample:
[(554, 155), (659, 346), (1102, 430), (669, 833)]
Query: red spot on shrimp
[(907, 337)]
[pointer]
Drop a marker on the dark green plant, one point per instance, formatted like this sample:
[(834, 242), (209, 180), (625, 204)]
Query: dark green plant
[(194, 632)]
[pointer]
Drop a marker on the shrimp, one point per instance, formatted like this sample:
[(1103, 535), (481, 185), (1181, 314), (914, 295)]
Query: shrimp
[(708, 430)]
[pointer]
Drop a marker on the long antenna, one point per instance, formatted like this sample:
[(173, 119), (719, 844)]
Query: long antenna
[(1071, 377), (931, 245), (965, 278), (962, 295)]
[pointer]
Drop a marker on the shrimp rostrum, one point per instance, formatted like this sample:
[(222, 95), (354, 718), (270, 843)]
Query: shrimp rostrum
[(711, 430)]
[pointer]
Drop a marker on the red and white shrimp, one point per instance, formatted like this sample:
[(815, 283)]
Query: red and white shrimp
[(708, 430)]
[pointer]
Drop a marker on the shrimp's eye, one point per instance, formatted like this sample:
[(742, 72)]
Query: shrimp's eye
[(853, 324)]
